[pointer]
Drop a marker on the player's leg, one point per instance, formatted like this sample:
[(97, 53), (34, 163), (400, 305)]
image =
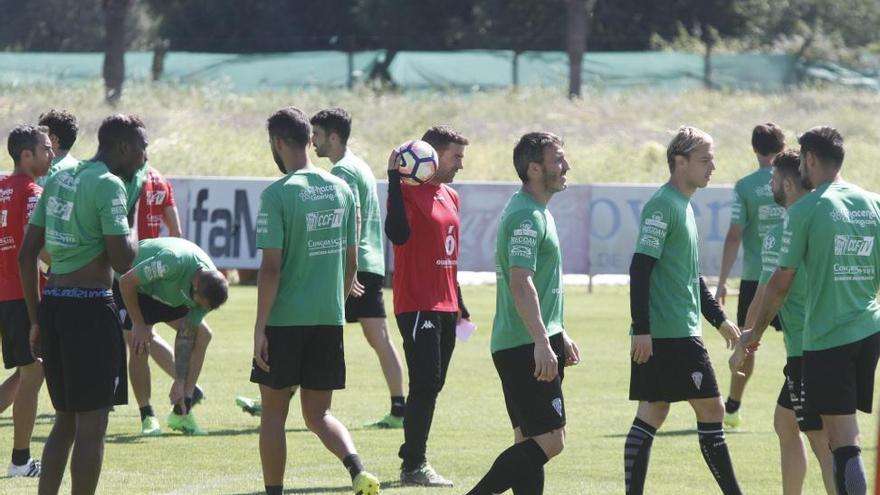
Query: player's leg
[(139, 374), (273, 442), (732, 419), (182, 418), (843, 437), (197, 359), (793, 454), (56, 451), (376, 332), (8, 389), (637, 448), (162, 353), (809, 422), (88, 450), (819, 445), (709, 413), (24, 413)]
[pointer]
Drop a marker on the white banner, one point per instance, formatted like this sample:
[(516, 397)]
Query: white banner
[(597, 223)]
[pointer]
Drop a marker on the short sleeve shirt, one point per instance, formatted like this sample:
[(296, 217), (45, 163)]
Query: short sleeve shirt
[(58, 163), (165, 267), (527, 239), (793, 310), (668, 233), (310, 216), (18, 198), (755, 209), (357, 174), (79, 206), (832, 234), (157, 195)]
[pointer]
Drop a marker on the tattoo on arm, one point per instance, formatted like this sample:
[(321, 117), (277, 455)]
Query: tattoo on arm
[(183, 347)]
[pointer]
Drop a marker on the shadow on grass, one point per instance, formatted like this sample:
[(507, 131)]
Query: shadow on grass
[(137, 438), (326, 489), (684, 433)]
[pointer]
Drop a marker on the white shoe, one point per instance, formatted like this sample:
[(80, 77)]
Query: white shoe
[(30, 469)]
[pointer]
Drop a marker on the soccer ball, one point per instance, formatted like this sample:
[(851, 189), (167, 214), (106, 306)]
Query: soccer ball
[(418, 162)]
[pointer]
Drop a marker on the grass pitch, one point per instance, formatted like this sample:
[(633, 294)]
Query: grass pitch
[(470, 425)]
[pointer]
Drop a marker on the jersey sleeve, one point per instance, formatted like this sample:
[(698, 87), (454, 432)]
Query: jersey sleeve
[(110, 201), (769, 255), (270, 225), (163, 265), (349, 179), (38, 216), (351, 225), (33, 198), (654, 228), (794, 235), (739, 214), (525, 230), (169, 196)]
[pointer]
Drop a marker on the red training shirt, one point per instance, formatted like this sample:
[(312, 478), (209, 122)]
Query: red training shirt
[(426, 266), (18, 198), (156, 195)]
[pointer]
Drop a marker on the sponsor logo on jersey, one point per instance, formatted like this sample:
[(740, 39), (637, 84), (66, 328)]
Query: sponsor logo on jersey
[(526, 228), (861, 218), (317, 193), (523, 251), (59, 208), (155, 197), (697, 377), (769, 242), (7, 243), (56, 238), (262, 223), (846, 273), (155, 270), (656, 220), (557, 406), (649, 241), (325, 219), (67, 181), (853, 245), (764, 191), (5, 195), (770, 212), (326, 246)]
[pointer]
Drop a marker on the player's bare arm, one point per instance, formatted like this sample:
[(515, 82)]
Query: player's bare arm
[(525, 297), (267, 289), (728, 257), (141, 333), (32, 245)]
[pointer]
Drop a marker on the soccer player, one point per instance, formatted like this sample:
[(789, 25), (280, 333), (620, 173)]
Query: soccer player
[(667, 295), (156, 206), (790, 418), (81, 220), (366, 304), (831, 235), (423, 225), (754, 214), (175, 282), (32, 155), (529, 345), (63, 130), (307, 229)]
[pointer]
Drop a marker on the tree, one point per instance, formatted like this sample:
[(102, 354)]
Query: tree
[(578, 16), (115, 17)]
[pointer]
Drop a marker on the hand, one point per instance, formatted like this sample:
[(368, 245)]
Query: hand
[(176, 395), (546, 364), (572, 353), (721, 292), (261, 350), (730, 332), (141, 335), (737, 359), (458, 317), (749, 340), (641, 348), (357, 288), (35, 341), (394, 160)]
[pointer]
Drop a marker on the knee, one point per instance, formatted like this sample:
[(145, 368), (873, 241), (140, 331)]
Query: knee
[(552, 443), (785, 430), (654, 413), (426, 387), (314, 420), (204, 336)]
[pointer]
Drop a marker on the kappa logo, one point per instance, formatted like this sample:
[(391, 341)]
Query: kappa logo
[(557, 406), (427, 325), (697, 377)]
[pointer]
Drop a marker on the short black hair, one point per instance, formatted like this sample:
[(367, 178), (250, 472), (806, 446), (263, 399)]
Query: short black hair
[(441, 136), (826, 143), (788, 163), (120, 128), (291, 125), (335, 120), (63, 125), (24, 137), (768, 139), (530, 148), (213, 287)]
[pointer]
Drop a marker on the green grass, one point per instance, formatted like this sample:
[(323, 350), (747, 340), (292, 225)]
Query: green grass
[(610, 136), (470, 426)]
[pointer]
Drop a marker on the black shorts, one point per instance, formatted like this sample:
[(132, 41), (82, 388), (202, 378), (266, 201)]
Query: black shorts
[(15, 330), (312, 357), (840, 380), (747, 290), (152, 310), (792, 396), (534, 407), (83, 349), (678, 370), (369, 305)]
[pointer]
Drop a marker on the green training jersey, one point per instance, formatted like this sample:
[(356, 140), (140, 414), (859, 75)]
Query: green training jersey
[(310, 215), (668, 233), (831, 233), (134, 187), (792, 312), (165, 267), (357, 174), (58, 163), (79, 206), (755, 209), (526, 239)]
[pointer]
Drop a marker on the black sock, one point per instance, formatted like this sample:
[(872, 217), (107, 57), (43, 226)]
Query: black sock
[(274, 489), (21, 456), (717, 457), (519, 464), (398, 406), (532, 485), (353, 463), (731, 406), (636, 454), (147, 411), (849, 471), (187, 402)]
